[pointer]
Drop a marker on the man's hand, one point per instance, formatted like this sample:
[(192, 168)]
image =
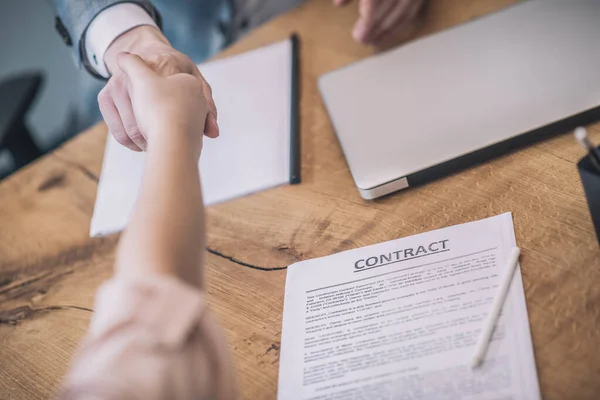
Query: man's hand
[(171, 108), (381, 21), (114, 101)]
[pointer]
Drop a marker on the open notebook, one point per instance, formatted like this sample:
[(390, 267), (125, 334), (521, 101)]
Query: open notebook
[(253, 93)]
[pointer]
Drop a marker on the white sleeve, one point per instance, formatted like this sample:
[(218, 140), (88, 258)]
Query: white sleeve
[(108, 26)]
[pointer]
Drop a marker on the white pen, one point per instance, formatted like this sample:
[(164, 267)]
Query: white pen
[(586, 143), (484, 339)]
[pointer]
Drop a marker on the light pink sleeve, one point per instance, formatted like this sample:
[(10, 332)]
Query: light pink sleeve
[(151, 338)]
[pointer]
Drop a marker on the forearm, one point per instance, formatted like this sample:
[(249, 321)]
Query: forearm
[(166, 234)]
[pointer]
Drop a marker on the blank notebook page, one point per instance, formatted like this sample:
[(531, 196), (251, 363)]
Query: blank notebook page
[(252, 92)]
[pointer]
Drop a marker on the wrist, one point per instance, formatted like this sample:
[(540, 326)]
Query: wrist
[(133, 41), (177, 141)]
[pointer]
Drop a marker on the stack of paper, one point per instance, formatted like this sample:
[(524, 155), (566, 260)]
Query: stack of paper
[(399, 320), (253, 93)]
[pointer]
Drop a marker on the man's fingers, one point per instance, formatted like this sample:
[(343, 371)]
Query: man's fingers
[(211, 126), (366, 8), (392, 19), (122, 101), (135, 68), (339, 3), (113, 120), (371, 14), (394, 28)]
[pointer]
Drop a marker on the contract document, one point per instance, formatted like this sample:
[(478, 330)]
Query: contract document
[(400, 320)]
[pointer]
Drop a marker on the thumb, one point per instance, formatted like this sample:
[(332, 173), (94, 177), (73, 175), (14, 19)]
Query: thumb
[(135, 68)]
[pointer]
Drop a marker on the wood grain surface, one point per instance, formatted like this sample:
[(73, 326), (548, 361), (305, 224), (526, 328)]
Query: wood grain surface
[(50, 268)]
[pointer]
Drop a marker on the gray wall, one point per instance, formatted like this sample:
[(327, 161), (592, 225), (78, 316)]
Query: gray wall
[(29, 41)]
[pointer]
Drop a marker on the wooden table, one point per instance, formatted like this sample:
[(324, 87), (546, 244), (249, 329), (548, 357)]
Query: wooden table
[(50, 268)]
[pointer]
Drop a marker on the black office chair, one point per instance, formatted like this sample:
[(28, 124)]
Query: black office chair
[(17, 94)]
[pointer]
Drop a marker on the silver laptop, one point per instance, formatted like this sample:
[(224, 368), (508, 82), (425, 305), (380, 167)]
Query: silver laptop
[(465, 95)]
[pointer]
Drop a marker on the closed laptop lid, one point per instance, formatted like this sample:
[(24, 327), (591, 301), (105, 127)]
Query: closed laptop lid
[(466, 88)]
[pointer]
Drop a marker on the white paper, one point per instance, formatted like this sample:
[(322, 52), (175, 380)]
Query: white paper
[(380, 323), (252, 92)]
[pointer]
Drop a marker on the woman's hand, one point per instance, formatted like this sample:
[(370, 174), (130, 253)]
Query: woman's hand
[(166, 232), (165, 108), (151, 46)]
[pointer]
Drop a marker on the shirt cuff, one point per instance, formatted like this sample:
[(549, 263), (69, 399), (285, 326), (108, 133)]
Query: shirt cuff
[(108, 26)]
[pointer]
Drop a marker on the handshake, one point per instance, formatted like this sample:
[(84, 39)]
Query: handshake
[(155, 88), (155, 92), (148, 107)]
